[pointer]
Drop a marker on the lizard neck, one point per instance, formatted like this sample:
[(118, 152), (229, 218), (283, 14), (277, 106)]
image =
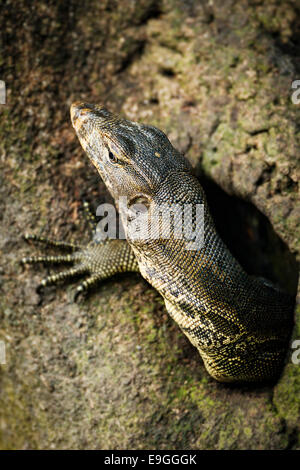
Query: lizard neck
[(205, 273)]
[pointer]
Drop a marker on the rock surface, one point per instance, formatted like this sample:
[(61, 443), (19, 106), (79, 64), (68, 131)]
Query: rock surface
[(114, 372)]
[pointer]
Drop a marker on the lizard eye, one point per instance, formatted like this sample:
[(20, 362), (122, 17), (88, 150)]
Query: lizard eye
[(112, 157)]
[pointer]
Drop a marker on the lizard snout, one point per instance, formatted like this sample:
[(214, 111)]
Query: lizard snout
[(78, 111)]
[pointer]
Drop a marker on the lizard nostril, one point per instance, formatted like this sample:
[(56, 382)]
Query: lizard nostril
[(83, 111)]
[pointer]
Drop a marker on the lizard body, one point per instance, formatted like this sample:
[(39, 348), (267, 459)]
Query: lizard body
[(240, 324)]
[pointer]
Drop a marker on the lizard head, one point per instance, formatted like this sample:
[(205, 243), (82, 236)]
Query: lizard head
[(133, 159)]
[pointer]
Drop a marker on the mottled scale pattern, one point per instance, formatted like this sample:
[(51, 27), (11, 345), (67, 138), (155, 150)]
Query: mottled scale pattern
[(241, 325), (96, 260)]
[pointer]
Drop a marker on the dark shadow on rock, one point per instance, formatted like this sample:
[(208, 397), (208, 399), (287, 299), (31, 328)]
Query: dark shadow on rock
[(251, 238)]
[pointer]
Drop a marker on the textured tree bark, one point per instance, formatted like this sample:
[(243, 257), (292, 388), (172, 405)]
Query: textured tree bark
[(114, 371)]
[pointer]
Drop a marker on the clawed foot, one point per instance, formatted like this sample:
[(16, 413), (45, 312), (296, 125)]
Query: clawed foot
[(97, 259)]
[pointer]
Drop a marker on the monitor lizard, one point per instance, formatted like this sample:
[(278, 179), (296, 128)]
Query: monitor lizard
[(239, 323)]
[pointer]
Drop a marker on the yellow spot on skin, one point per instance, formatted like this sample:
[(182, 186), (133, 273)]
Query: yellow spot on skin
[(157, 154), (84, 110)]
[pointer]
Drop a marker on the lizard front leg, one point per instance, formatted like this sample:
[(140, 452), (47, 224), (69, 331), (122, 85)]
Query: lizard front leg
[(98, 260)]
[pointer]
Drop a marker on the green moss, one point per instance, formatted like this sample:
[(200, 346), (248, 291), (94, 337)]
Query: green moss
[(115, 371), (287, 392)]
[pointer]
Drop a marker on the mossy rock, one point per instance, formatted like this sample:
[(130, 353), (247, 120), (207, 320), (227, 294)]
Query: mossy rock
[(114, 371)]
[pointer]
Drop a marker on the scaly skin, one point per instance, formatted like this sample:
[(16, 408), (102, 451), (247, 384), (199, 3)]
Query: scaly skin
[(240, 324)]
